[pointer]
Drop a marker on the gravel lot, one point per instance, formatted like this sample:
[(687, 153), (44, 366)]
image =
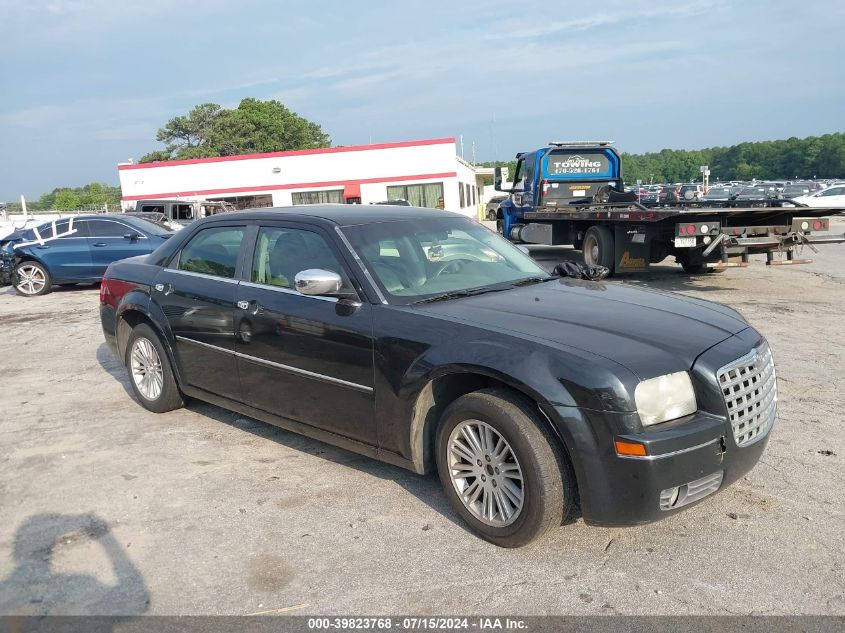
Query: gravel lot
[(110, 509)]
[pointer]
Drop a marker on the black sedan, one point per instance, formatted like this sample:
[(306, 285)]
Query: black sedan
[(423, 339), (74, 250)]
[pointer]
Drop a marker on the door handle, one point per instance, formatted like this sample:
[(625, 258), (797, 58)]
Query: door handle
[(99, 244), (165, 288), (243, 305)]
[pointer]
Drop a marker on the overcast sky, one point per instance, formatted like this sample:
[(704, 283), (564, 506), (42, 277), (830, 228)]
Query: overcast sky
[(85, 84)]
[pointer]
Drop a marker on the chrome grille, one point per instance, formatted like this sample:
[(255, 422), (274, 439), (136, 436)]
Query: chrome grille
[(749, 386)]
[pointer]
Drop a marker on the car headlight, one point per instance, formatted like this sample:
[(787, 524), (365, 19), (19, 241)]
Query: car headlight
[(665, 398)]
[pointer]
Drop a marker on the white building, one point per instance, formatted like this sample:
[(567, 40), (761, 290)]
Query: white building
[(426, 173)]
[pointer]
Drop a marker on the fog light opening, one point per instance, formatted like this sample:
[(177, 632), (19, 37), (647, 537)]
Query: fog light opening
[(673, 498)]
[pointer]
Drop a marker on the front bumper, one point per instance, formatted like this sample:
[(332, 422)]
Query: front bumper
[(698, 449)]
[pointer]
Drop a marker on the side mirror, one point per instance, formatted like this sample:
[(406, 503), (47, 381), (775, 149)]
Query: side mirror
[(316, 282), (132, 237), (497, 178)]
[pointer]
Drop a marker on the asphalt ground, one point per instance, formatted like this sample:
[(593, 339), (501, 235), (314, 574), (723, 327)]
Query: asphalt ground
[(109, 509)]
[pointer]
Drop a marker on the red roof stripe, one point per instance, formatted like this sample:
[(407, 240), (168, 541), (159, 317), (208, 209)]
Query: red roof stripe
[(299, 152), (328, 183)]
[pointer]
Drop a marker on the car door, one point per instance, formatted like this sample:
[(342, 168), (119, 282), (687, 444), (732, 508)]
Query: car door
[(305, 358), (196, 292), (62, 247), (111, 240)]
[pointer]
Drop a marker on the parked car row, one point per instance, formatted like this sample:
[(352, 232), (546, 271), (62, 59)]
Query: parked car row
[(811, 193), (75, 250)]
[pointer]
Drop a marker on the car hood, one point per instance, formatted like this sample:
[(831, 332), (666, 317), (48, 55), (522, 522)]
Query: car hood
[(649, 332)]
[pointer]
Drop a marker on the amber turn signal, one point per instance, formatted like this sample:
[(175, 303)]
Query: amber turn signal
[(630, 448)]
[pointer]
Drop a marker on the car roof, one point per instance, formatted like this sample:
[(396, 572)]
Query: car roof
[(339, 214)]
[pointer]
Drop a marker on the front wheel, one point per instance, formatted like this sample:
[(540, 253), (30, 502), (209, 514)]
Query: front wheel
[(32, 279), (501, 470), (150, 372)]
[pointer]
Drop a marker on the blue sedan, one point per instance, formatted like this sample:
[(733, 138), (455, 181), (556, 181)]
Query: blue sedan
[(74, 250)]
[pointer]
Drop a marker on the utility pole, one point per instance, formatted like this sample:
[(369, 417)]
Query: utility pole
[(23, 206), (462, 146)]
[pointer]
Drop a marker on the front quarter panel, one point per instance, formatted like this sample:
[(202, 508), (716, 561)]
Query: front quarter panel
[(413, 348)]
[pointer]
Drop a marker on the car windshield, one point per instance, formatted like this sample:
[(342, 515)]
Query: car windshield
[(718, 193), (426, 259)]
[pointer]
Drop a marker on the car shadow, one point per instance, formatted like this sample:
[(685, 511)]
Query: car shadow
[(114, 368), (426, 488), (36, 587)]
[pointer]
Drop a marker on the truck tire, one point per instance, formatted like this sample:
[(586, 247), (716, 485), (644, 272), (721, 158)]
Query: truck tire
[(502, 471), (599, 247)]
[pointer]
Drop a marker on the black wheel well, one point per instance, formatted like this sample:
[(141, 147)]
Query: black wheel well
[(126, 322), (442, 391)]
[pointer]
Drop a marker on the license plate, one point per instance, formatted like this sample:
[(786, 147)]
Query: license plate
[(684, 242)]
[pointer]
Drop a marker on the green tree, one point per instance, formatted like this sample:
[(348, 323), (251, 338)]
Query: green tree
[(254, 126), (66, 199)]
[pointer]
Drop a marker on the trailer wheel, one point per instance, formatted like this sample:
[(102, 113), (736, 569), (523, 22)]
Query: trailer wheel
[(599, 248)]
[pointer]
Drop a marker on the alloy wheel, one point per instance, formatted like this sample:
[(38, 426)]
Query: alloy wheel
[(31, 279), (486, 473), (146, 369)]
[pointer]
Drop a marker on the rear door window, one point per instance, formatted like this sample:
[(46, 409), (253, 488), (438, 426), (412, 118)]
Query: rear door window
[(213, 251)]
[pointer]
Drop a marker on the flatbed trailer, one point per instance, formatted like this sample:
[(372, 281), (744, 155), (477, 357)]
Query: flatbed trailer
[(628, 236)]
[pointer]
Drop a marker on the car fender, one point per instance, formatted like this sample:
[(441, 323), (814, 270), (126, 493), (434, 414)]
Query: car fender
[(139, 301), (540, 374)]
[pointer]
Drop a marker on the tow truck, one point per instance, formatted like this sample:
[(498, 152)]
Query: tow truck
[(572, 193)]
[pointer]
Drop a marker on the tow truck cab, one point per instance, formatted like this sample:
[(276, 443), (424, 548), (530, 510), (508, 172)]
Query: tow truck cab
[(563, 173)]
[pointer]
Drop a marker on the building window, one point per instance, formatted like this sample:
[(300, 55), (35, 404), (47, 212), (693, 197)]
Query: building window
[(239, 203), (469, 202), (428, 195), (461, 194), (474, 197), (331, 196)]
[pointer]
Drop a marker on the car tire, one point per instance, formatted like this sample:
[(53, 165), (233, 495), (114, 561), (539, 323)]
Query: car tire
[(32, 279), (528, 453), (599, 247), (150, 371)]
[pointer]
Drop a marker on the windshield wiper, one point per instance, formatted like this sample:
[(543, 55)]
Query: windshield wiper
[(457, 294), (532, 280)]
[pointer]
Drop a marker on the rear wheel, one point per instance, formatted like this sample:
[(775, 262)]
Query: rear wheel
[(501, 470), (599, 247), (150, 372), (32, 279)]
